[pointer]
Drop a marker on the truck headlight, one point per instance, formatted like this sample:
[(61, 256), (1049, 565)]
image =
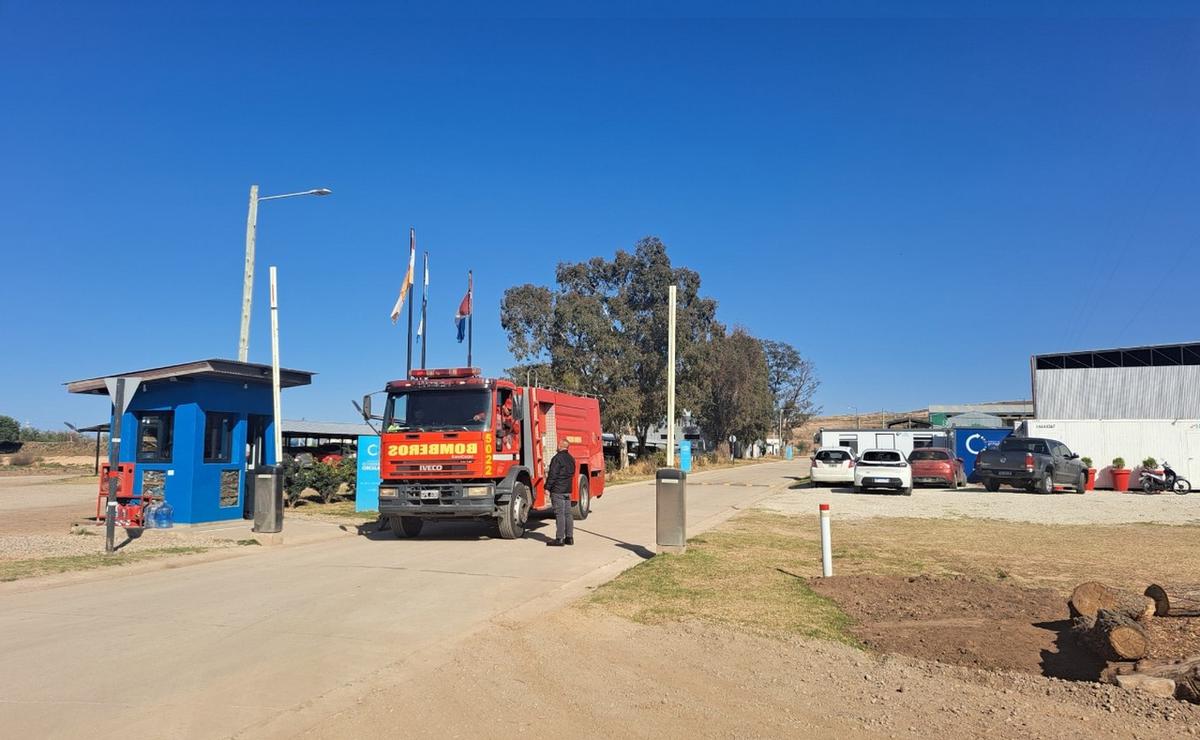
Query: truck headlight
[(478, 491)]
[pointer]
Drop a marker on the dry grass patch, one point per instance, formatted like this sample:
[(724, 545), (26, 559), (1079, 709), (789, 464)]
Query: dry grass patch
[(734, 576), (12, 570)]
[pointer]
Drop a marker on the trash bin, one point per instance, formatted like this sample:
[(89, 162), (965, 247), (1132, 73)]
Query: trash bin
[(268, 499), (671, 508)]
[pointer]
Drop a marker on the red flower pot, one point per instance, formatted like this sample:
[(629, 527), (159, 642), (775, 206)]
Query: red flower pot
[(1091, 480), (1121, 480)]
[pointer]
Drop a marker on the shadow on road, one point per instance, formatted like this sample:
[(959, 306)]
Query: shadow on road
[(640, 550)]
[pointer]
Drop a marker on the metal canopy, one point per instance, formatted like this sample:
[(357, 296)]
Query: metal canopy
[(227, 370), (1163, 355)]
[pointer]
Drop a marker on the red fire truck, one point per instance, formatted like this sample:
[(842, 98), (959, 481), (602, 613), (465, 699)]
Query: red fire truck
[(456, 445)]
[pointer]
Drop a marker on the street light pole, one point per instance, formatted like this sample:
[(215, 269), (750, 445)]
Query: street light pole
[(248, 276)]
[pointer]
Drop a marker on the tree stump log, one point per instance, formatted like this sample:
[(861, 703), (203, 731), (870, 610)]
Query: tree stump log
[(1153, 675), (1089, 598), (1112, 636), (1175, 601)]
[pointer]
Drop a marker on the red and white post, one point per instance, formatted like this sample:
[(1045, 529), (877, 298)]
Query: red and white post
[(826, 543)]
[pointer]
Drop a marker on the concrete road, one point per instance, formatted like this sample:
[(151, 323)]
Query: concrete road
[(265, 645)]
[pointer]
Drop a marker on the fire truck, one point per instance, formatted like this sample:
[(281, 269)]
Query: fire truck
[(456, 445)]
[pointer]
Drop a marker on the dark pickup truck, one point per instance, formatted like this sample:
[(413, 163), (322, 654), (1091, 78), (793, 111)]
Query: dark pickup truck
[(1033, 464)]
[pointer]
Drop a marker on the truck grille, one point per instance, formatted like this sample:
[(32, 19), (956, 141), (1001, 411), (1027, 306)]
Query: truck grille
[(428, 468)]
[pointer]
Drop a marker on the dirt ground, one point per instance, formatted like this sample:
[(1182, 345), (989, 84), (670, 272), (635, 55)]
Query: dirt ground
[(582, 673)]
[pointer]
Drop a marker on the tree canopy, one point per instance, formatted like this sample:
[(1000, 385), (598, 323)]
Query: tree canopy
[(738, 400), (603, 330), (793, 382)]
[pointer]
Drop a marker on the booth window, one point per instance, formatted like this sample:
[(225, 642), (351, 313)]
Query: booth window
[(155, 437), (218, 436)]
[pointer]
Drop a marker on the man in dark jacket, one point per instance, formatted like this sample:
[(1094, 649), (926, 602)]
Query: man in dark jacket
[(559, 478)]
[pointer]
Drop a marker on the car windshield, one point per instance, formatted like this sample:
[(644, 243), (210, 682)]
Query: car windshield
[(437, 409), (881, 456), (940, 455), (1036, 446), (833, 456)]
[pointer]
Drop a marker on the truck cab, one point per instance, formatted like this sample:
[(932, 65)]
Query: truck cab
[(456, 445)]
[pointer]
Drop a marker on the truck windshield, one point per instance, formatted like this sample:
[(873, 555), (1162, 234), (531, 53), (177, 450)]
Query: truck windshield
[(437, 409)]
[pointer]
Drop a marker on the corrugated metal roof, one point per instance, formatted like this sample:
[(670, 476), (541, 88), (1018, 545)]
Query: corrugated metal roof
[(231, 370), (325, 428)]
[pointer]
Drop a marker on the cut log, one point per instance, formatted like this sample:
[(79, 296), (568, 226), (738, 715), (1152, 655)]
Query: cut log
[(1089, 598), (1112, 636), (1151, 675), (1175, 601)]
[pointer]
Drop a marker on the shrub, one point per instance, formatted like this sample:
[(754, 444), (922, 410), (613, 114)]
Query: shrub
[(1118, 463), (23, 459), (10, 430), (1087, 461), (1150, 463)]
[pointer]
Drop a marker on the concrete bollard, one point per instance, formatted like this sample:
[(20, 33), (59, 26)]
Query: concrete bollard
[(826, 543)]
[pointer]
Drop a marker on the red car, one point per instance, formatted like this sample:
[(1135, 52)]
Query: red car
[(938, 466)]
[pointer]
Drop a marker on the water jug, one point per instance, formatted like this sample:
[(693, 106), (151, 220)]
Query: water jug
[(165, 518), (150, 516)]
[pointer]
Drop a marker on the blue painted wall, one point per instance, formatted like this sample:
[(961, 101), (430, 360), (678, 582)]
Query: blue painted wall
[(193, 487), (969, 442)]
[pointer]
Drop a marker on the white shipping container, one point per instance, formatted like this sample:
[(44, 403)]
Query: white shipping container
[(904, 440), (1176, 441)]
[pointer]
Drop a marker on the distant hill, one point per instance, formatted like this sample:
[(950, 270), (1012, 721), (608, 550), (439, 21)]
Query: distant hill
[(871, 420)]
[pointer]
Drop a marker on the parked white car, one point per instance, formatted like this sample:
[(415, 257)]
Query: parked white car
[(832, 465), (883, 469)]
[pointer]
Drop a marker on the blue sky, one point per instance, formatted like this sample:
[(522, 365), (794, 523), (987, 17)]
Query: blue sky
[(918, 204)]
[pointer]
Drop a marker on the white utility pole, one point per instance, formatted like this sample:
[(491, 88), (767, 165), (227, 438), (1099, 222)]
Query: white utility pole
[(275, 372), (671, 377), (248, 276)]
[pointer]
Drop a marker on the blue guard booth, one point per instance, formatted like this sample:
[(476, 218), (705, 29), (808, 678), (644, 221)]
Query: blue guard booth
[(192, 432)]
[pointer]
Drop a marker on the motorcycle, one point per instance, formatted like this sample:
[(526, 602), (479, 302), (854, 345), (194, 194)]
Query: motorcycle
[(1168, 481)]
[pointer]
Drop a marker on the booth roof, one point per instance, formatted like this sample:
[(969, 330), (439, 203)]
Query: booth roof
[(302, 427), (228, 370)]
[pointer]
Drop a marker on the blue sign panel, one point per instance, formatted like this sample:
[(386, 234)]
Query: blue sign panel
[(366, 488), (685, 455), (968, 443), (789, 452)]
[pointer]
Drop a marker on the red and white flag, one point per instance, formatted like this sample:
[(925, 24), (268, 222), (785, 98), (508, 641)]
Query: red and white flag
[(408, 276)]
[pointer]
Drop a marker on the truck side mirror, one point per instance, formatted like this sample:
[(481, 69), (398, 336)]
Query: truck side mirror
[(366, 407)]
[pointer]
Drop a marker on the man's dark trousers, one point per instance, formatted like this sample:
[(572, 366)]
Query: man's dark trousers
[(564, 523)]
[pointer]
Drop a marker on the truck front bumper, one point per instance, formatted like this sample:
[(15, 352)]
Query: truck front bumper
[(440, 500)]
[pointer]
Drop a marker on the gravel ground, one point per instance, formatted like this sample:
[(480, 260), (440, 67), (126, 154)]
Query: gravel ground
[(23, 547), (1100, 507), (578, 674)]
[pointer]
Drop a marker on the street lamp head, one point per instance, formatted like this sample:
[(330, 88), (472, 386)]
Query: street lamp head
[(321, 191)]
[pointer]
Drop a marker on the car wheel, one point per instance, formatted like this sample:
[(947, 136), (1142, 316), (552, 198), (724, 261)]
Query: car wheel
[(515, 513), (1081, 484), (859, 489), (906, 491), (991, 484), (581, 508), (1046, 483)]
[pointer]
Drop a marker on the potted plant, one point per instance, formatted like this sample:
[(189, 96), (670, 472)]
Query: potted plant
[(1120, 475), (1090, 485)]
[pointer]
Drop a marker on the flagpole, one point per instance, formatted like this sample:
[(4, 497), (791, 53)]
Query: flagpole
[(424, 304), (470, 316), (412, 243)]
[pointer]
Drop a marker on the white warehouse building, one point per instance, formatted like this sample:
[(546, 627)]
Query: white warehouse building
[(1131, 403)]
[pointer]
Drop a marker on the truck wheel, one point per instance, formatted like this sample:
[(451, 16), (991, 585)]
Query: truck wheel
[(515, 513), (1046, 484), (581, 508), (1081, 484), (991, 484), (405, 526)]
